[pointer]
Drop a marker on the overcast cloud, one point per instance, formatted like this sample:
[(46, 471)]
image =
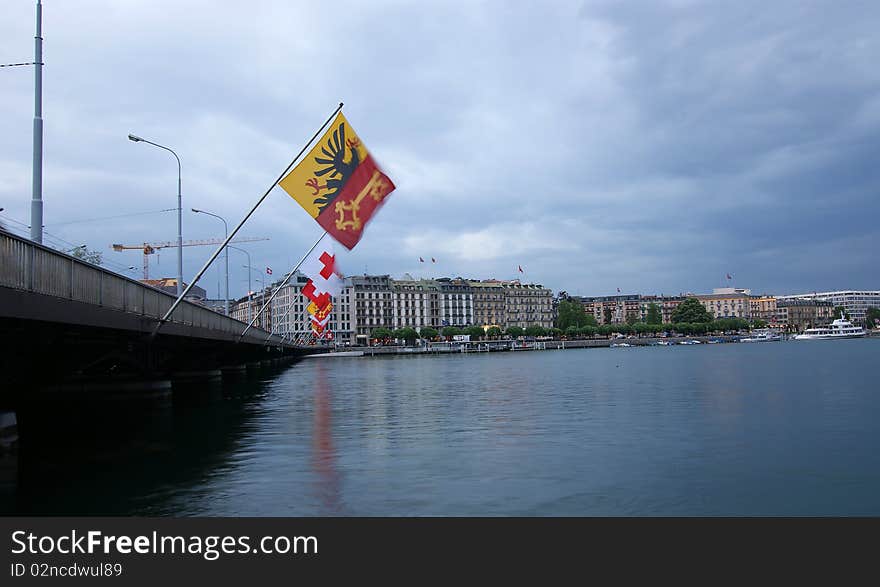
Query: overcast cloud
[(651, 146)]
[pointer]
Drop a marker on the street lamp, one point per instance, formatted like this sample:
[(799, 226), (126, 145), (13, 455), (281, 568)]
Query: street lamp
[(137, 139), (262, 283), (226, 234), (249, 277)]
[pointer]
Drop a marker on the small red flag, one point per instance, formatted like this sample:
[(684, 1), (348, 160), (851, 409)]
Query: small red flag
[(268, 270), (618, 290), (728, 276), (433, 260), (421, 260), (520, 268)]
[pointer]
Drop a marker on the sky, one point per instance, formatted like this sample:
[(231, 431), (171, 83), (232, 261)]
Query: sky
[(654, 147)]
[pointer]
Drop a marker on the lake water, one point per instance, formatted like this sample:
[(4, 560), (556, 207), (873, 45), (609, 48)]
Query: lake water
[(783, 428)]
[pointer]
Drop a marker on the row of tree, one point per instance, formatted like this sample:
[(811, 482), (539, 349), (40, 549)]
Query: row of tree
[(410, 335), (691, 311)]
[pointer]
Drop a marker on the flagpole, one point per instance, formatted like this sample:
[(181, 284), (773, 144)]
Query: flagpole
[(240, 224), (283, 283)]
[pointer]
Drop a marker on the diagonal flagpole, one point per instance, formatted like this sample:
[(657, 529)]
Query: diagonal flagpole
[(278, 289), (240, 224)]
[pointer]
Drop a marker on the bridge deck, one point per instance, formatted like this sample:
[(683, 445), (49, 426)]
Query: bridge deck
[(39, 283)]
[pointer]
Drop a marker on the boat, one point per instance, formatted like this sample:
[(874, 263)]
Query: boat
[(762, 335), (840, 328), (620, 344)]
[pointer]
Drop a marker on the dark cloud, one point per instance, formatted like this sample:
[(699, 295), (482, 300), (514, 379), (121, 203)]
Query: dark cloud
[(651, 146)]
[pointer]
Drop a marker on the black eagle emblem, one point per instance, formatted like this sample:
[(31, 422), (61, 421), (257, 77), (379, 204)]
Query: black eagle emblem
[(335, 169)]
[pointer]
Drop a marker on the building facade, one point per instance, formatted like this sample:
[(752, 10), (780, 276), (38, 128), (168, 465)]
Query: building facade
[(728, 302), (855, 302), (416, 304), (667, 305), (613, 309), (798, 315), (527, 304), (763, 308), (489, 305)]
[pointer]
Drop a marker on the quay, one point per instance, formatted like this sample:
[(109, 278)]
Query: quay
[(436, 348)]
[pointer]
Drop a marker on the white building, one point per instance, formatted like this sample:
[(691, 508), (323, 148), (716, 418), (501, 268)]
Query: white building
[(855, 302), (290, 316)]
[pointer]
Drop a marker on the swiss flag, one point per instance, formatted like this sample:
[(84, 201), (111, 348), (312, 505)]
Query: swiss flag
[(268, 271), (320, 268)]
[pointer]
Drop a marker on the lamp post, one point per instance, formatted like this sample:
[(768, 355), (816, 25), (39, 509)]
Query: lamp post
[(262, 283), (226, 233), (137, 139), (37, 180), (249, 277)]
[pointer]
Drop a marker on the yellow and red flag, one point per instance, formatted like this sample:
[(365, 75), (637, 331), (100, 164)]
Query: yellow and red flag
[(339, 184)]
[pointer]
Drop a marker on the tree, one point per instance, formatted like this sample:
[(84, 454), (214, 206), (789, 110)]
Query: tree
[(535, 330), (608, 315), (872, 317), (408, 334), (555, 332), (588, 331), (84, 254), (382, 333), (835, 313), (494, 332), (475, 332), (572, 314), (654, 316), (605, 329), (632, 318), (691, 311), (572, 331), (428, 333), (451, 331), (757, 323), (514, 331)]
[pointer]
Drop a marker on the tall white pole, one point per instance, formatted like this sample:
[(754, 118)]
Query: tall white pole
[(179, 233), (37, 193)]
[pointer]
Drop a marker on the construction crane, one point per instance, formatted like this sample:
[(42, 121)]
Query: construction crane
[(151, 248)]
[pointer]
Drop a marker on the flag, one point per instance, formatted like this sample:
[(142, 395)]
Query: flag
[(728, 276), (520, 268), (268, 271), (618, 290), (339, 184), (433, 260), (320, 267), (421, 260)]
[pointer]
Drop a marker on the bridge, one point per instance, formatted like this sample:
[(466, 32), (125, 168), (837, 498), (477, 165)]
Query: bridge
[(68, 325)]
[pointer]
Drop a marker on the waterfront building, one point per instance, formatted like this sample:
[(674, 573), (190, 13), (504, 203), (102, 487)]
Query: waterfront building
[(796, 315), (728, 302), (247, 307), (291, 318), (416, 303), (489, 305), (612, 309), (456, 302), (373, 305), (763, 308), (526, 304), (855, 302), (667, 305)]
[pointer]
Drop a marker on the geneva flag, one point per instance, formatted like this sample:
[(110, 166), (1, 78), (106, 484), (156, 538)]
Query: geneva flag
[(339, 184)]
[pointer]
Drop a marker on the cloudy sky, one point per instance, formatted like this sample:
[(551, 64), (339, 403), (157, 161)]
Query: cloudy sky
[(648, 146)]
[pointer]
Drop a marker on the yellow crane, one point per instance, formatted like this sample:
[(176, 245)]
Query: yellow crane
[(151, 248)]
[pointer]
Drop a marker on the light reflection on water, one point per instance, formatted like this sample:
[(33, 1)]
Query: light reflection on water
[(775, 428)]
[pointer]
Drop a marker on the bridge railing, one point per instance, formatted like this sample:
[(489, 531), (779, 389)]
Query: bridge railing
[(27, 266)]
